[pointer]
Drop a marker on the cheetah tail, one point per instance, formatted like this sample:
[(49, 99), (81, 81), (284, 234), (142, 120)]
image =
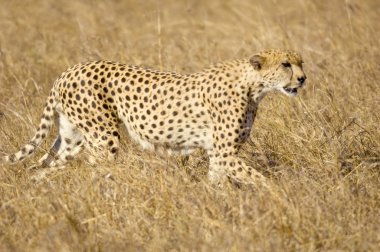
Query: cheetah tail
[(46, 123)]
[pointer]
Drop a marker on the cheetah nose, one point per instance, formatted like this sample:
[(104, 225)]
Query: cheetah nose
[(301, 79)]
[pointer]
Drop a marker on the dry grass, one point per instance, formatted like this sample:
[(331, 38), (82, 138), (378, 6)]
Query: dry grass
[(321, 148)]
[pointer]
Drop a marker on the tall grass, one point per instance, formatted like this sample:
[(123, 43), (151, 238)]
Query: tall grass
[(321, 148)]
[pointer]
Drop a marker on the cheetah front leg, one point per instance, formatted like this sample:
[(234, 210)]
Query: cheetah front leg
[(231, 129), (228, 135), (227, 164)]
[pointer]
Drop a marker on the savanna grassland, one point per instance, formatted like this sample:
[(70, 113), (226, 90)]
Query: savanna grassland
[(321, 148)]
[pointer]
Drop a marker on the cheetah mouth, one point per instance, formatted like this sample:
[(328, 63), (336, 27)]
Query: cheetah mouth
[(290, 91)]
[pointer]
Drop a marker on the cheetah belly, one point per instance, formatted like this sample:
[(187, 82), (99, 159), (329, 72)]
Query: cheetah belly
[(146, 145), (177, 144)]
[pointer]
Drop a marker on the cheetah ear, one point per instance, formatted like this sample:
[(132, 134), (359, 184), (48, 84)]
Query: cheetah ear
[(257, 61)]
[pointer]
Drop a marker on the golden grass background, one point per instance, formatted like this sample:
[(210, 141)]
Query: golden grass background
[(321, 148)]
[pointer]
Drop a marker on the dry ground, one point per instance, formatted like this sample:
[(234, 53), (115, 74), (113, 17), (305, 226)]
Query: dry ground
[(321, 148)]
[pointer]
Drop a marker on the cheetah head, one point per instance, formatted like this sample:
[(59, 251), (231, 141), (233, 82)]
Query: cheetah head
[(279, 70)]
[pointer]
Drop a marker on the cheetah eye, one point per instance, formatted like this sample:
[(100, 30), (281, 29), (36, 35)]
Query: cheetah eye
[(286, 64)]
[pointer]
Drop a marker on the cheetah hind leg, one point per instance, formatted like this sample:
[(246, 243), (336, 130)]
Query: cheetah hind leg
[(69, 142), (103, 150)]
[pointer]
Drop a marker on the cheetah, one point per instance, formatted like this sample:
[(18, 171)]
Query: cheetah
[(213, 109)]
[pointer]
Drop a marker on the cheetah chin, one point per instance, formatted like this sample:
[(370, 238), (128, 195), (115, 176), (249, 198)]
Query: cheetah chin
[(290, 91)]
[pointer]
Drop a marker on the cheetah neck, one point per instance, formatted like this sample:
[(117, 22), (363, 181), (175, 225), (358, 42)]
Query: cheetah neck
[(256, 92), (255, 88)]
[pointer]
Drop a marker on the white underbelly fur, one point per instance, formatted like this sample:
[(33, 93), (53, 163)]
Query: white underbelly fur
[(205, 143)]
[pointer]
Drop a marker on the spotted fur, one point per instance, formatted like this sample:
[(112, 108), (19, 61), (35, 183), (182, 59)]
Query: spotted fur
[(213, 109)]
